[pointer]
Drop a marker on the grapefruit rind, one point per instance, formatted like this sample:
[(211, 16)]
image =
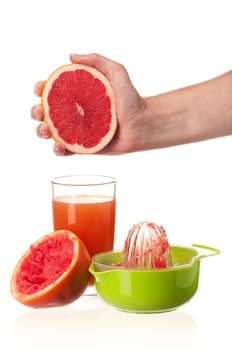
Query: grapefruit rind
[(55, 294), (77, 148)]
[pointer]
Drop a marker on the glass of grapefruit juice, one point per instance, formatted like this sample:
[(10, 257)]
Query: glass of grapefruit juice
[(85, 205)]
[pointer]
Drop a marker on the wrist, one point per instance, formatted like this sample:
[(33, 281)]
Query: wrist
[(194, 113), (165, 121)]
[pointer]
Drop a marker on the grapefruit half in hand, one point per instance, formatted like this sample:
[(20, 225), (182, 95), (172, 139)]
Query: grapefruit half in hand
[(53, 272), (79, 106)]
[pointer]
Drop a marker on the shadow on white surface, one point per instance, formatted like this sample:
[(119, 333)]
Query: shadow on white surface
[(173, 322), (175, 329), (91, 323), (79, 316), (39, 329)]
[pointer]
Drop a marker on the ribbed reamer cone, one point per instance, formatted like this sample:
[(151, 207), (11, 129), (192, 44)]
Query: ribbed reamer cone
[(147, 246)]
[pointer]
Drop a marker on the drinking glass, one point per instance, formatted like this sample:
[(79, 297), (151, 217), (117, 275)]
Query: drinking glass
[(85, 205)]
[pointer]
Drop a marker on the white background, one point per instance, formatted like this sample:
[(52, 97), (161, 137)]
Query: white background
[(164, 45)]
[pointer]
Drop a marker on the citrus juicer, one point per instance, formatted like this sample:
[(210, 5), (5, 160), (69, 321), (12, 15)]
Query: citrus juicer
[(148, 275), (147, 246)]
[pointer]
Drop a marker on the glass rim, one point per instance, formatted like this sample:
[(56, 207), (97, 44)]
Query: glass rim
[(105, 180)]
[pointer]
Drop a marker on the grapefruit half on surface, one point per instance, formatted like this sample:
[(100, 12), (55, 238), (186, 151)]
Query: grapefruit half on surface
[(53, 271), (79, 106)]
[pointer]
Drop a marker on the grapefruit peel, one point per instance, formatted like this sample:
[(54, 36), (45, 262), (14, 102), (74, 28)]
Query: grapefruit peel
[(85, 122), (68, 287)]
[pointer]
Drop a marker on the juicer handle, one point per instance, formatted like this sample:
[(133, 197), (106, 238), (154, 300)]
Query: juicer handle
[(206, 251)]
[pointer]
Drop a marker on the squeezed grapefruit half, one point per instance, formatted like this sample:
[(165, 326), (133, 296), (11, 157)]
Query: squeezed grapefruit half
[(52, 272)]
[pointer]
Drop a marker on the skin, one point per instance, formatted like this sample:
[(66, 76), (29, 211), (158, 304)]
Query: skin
[(194, 113)]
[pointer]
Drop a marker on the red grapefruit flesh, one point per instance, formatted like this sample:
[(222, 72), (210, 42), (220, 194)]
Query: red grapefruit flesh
[(79, 107), (53, 272)]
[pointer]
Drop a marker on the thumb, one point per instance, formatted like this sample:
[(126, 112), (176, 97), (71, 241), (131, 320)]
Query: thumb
[(105, 65), (115, 72)]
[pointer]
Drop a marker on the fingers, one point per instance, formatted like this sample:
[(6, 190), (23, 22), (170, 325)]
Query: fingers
[(37, 112), (59, 149), (38, 88), (43, 131)]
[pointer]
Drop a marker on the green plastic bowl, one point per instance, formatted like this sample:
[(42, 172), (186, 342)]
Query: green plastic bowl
[(149, 290)]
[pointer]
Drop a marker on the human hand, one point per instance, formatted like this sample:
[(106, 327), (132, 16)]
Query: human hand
[(129, 106)]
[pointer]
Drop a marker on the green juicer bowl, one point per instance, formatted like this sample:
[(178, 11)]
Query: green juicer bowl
[(149, 290)]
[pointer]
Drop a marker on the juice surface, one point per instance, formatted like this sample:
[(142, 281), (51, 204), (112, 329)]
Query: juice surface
[(92, 218)]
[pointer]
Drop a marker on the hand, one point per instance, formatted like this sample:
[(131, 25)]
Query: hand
[(129, 106)]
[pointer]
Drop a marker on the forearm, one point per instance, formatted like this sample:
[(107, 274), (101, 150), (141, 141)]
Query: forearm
[(194, 113)]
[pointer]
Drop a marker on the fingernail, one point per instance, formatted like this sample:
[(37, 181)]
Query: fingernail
[(74, 56), (36, 89), (34, 113), (58, 149), (42, 131)]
